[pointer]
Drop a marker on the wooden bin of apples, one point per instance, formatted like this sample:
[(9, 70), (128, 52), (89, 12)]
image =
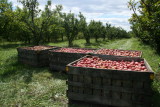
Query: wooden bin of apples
[(111, 81), (59, 58), (118, 52), (36, 56)]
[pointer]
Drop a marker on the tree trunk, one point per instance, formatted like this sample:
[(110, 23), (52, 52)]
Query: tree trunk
[(70, 43), (37, 42), (29, 40), (104, 37), (87, 40), (96, 38), (48, 38), (36, 39), (62, 37)]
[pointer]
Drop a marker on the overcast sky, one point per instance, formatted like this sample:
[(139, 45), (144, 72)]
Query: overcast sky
[(114, 12)]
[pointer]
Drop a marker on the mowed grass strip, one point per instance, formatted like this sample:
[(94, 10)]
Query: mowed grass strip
[(21, 85)]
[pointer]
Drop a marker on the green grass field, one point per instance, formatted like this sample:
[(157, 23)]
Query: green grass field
[(23, 86)]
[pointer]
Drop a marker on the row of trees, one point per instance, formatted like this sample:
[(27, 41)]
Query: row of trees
[(32, 25), (145, 21)]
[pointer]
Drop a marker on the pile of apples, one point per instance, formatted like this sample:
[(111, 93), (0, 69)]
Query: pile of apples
[(96, 62), (73, 50), (117, 52), (38, 48)]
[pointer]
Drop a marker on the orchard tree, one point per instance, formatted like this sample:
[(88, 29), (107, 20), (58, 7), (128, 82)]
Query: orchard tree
[(83, 27), (31, 11), (71, 27), (53, 27), (108, 27), (95, 29), (35, 23), (6, 18), (103, 32), (58, 20), (23, 31)]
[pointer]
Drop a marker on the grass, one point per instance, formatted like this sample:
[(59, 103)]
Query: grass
[(23, 86)]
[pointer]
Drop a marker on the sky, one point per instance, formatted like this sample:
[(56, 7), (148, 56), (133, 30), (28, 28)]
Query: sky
[(114, 12)]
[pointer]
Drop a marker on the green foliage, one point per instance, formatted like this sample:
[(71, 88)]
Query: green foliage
[(146, 24)]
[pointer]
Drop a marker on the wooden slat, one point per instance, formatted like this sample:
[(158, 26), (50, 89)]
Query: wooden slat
[(113, 88)]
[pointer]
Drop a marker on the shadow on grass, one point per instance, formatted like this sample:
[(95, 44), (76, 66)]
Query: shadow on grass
[(73, 103), (94, 44), (15, 70), (156, 90), (11, 45), (76, 46), (156, 51), (98, 44), (156, 99), (54, 42), (59, 75), (12, 69)]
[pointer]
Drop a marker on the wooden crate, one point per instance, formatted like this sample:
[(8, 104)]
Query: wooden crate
[(35, 58), (59, 60), (110, 87)]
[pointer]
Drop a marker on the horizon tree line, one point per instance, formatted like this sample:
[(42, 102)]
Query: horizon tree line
[(35, 26)]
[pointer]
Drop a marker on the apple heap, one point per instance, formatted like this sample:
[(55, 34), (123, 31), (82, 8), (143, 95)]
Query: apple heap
[(73, 50), (96, 62), (38, 48), (117, 52)]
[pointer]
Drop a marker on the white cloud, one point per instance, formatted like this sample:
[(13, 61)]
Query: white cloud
[(118, 22), (72, 9), (15, 3), (114, 12)]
